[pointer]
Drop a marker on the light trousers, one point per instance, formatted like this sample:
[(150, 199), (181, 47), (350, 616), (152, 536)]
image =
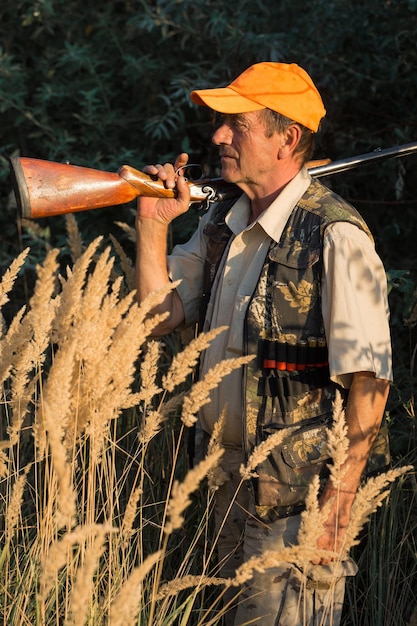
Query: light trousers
[(278, 596)]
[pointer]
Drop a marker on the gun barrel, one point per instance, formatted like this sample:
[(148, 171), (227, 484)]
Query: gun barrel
[(362, 159)]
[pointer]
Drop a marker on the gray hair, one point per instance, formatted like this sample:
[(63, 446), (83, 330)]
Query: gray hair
[(277, 123)]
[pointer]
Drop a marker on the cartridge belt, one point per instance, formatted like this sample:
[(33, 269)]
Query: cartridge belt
[(290, 367), (290, 354)]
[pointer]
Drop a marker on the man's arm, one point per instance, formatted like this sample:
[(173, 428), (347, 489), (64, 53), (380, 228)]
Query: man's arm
[(364, 411), (152, 223)]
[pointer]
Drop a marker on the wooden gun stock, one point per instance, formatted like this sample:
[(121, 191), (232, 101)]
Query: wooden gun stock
[(45, 188)]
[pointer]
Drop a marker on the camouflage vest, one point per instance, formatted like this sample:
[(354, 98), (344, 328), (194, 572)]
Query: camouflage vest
[(288, 384)]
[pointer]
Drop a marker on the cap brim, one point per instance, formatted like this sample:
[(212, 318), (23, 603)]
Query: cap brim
[(224, 100)]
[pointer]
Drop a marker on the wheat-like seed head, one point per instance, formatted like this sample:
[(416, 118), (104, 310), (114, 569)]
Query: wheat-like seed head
[(74, 237), (148, 372), (273, 558), (60, 554), (338, 443), (72, 293), (125, 607), (151, 426), (168, 407), (42, 305), (314, 517), (173, 587), (199, 394), (83, 587), (10, 275), (4, 461), (28, 356), (126, 264), (260, 453), (369, 497), (183, 363), (216, 476), (154, 298), (15, 503), (10, 344), (130, 513), (128, 230), (180, 495)]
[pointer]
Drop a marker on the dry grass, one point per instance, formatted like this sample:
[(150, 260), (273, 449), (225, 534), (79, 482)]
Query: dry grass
[(94, 485)]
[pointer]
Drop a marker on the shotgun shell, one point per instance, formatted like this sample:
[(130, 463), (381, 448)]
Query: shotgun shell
[(312, 352), (281, 354), (301, 354), (270, 360), (322, 359), (291, 354)]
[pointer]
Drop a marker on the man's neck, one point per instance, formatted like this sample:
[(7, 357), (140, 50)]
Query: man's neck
[(261, 198)]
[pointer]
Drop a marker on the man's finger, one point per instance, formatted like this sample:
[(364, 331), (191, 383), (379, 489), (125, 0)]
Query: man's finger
[(181, 160)]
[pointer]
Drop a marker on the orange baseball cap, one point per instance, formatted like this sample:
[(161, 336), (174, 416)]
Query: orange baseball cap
[(282, 87)]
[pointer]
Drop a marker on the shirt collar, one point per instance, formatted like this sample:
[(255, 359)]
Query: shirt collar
[(274, 218)]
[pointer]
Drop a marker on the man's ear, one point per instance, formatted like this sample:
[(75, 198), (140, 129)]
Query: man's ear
[(290, 139)]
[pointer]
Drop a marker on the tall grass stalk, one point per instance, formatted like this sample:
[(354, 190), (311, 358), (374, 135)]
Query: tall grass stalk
[(384, 591), (103, 520)]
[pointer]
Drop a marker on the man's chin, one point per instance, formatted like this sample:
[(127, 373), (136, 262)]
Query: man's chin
[(227, 175)]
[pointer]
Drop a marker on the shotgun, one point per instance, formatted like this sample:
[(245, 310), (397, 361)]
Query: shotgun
[(47, 188)]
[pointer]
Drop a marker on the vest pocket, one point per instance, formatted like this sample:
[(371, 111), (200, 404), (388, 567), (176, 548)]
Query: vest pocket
[(284, 477), (296, 255)]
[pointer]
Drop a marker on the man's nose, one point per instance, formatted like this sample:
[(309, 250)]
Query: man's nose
[(223, 135)]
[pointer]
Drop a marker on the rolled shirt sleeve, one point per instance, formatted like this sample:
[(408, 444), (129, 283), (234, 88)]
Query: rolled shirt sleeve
[(355, 305)]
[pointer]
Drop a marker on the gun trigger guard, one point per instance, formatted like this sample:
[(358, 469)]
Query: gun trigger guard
[(186, 171)]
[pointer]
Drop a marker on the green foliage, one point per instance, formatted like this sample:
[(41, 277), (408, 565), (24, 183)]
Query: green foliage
[(102, 85)]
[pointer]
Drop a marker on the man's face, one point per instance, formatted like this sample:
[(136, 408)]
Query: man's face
[(247, 155)]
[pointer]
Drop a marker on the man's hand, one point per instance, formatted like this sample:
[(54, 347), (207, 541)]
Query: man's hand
[(153, 218), (335, 526), (332, 541), (164, 210)]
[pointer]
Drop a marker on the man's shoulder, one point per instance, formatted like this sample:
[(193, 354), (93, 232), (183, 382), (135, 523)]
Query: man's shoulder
[(329, 207)]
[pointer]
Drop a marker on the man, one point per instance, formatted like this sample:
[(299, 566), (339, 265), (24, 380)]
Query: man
[(296, 280)]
